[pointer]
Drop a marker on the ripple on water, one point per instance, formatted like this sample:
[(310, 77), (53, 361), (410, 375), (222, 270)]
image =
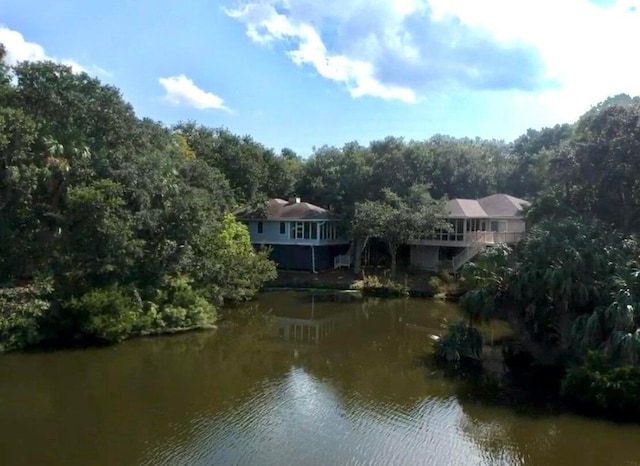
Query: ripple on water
[(300, 419)]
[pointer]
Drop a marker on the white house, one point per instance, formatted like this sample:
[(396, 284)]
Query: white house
[(475, 224)]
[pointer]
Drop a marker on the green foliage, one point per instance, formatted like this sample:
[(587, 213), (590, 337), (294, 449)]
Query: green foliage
[(229, 266), (21, 311), (115, 313), (373, 285), (396, 220), (602, 389), (461, 342), (181, 306), (108, 204), (253, 171), (109, 314)]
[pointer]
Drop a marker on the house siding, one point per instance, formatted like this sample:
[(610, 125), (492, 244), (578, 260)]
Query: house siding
[(271, 234), (516, 225)]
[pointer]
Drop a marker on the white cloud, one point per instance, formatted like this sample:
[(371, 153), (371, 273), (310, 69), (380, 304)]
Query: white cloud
[(19, 49), (589, 50), (265, 25), (555, 58), (181, 90)]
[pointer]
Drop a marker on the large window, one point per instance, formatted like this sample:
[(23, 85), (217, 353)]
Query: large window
[(456, 233), (303, 230), (312, 230), (283, 228), (329, 230)]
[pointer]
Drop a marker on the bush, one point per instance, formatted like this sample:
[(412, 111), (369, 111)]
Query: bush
[(461, 342), (21, 312), (115, 313), (597, 388), (109, 314), (373, 285), (182, 306)]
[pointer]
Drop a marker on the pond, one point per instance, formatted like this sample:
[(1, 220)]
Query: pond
[(292, 378)]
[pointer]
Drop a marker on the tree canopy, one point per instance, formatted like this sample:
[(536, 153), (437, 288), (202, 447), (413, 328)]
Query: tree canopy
[(126, 219)]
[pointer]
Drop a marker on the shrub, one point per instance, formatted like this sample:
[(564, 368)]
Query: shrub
[(376, 286), (182, 306), (461, 342), (108, 314), (601, 389), (21, 311)]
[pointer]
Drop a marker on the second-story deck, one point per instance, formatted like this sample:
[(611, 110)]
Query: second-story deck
[(463, 240)]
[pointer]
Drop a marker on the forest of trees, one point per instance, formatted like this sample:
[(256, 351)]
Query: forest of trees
[(113, 226)]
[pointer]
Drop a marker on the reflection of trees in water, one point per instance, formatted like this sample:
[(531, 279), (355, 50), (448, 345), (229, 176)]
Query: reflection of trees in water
[(150, 389), (548, 440)]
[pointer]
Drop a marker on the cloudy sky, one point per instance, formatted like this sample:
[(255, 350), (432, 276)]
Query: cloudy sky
[(303, 73)]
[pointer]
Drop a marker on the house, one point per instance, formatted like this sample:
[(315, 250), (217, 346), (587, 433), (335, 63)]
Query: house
[(302, 236), (475, 225)]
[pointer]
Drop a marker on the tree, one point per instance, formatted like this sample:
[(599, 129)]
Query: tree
[(606, 151), (337, 178), (124, 215), (227, 265), (397, 220), (530, 155)]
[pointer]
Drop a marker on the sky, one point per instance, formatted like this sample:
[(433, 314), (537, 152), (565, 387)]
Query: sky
[(305, 73)]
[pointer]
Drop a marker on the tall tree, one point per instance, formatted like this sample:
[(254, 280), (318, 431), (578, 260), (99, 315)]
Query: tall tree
[(396, 220)]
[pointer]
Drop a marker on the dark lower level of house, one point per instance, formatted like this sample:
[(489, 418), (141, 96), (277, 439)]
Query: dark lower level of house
[(305, 257)]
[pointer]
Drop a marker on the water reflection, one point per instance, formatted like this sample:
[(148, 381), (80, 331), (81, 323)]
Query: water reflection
[(311, 325), (249, 394)]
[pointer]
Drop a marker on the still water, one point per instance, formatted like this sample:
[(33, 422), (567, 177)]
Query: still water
[(290, 379)]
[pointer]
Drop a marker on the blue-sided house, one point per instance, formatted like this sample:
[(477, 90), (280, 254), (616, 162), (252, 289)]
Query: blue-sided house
[(301, 236)]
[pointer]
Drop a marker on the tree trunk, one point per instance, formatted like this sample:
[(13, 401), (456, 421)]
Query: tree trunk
[(359, 246), (393, 250)]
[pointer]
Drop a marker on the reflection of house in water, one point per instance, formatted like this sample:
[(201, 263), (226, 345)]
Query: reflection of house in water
[(313, 322)]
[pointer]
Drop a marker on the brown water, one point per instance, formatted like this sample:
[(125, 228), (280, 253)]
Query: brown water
[(317, 382)]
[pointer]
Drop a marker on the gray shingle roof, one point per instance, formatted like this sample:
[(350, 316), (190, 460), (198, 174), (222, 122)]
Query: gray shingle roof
[(281, 209), (465, 208), (494, 206), (503, 205)]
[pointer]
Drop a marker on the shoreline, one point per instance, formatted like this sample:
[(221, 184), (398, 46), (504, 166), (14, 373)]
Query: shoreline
[(415, 283)]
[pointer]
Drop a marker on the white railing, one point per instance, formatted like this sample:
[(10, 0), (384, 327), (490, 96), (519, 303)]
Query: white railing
[(343, 260), (507, 237), (470, 237)]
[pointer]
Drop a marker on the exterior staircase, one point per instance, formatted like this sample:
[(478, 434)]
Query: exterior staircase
[(467, 254)]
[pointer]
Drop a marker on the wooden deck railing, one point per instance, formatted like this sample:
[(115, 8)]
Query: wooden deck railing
[(343, 260)]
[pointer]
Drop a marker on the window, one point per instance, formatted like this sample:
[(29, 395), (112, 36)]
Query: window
[(283, 228), (328, 231), (297, 230), (459, 230), (260, 228)]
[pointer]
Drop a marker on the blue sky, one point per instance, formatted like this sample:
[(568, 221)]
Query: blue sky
[(303, 73)]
